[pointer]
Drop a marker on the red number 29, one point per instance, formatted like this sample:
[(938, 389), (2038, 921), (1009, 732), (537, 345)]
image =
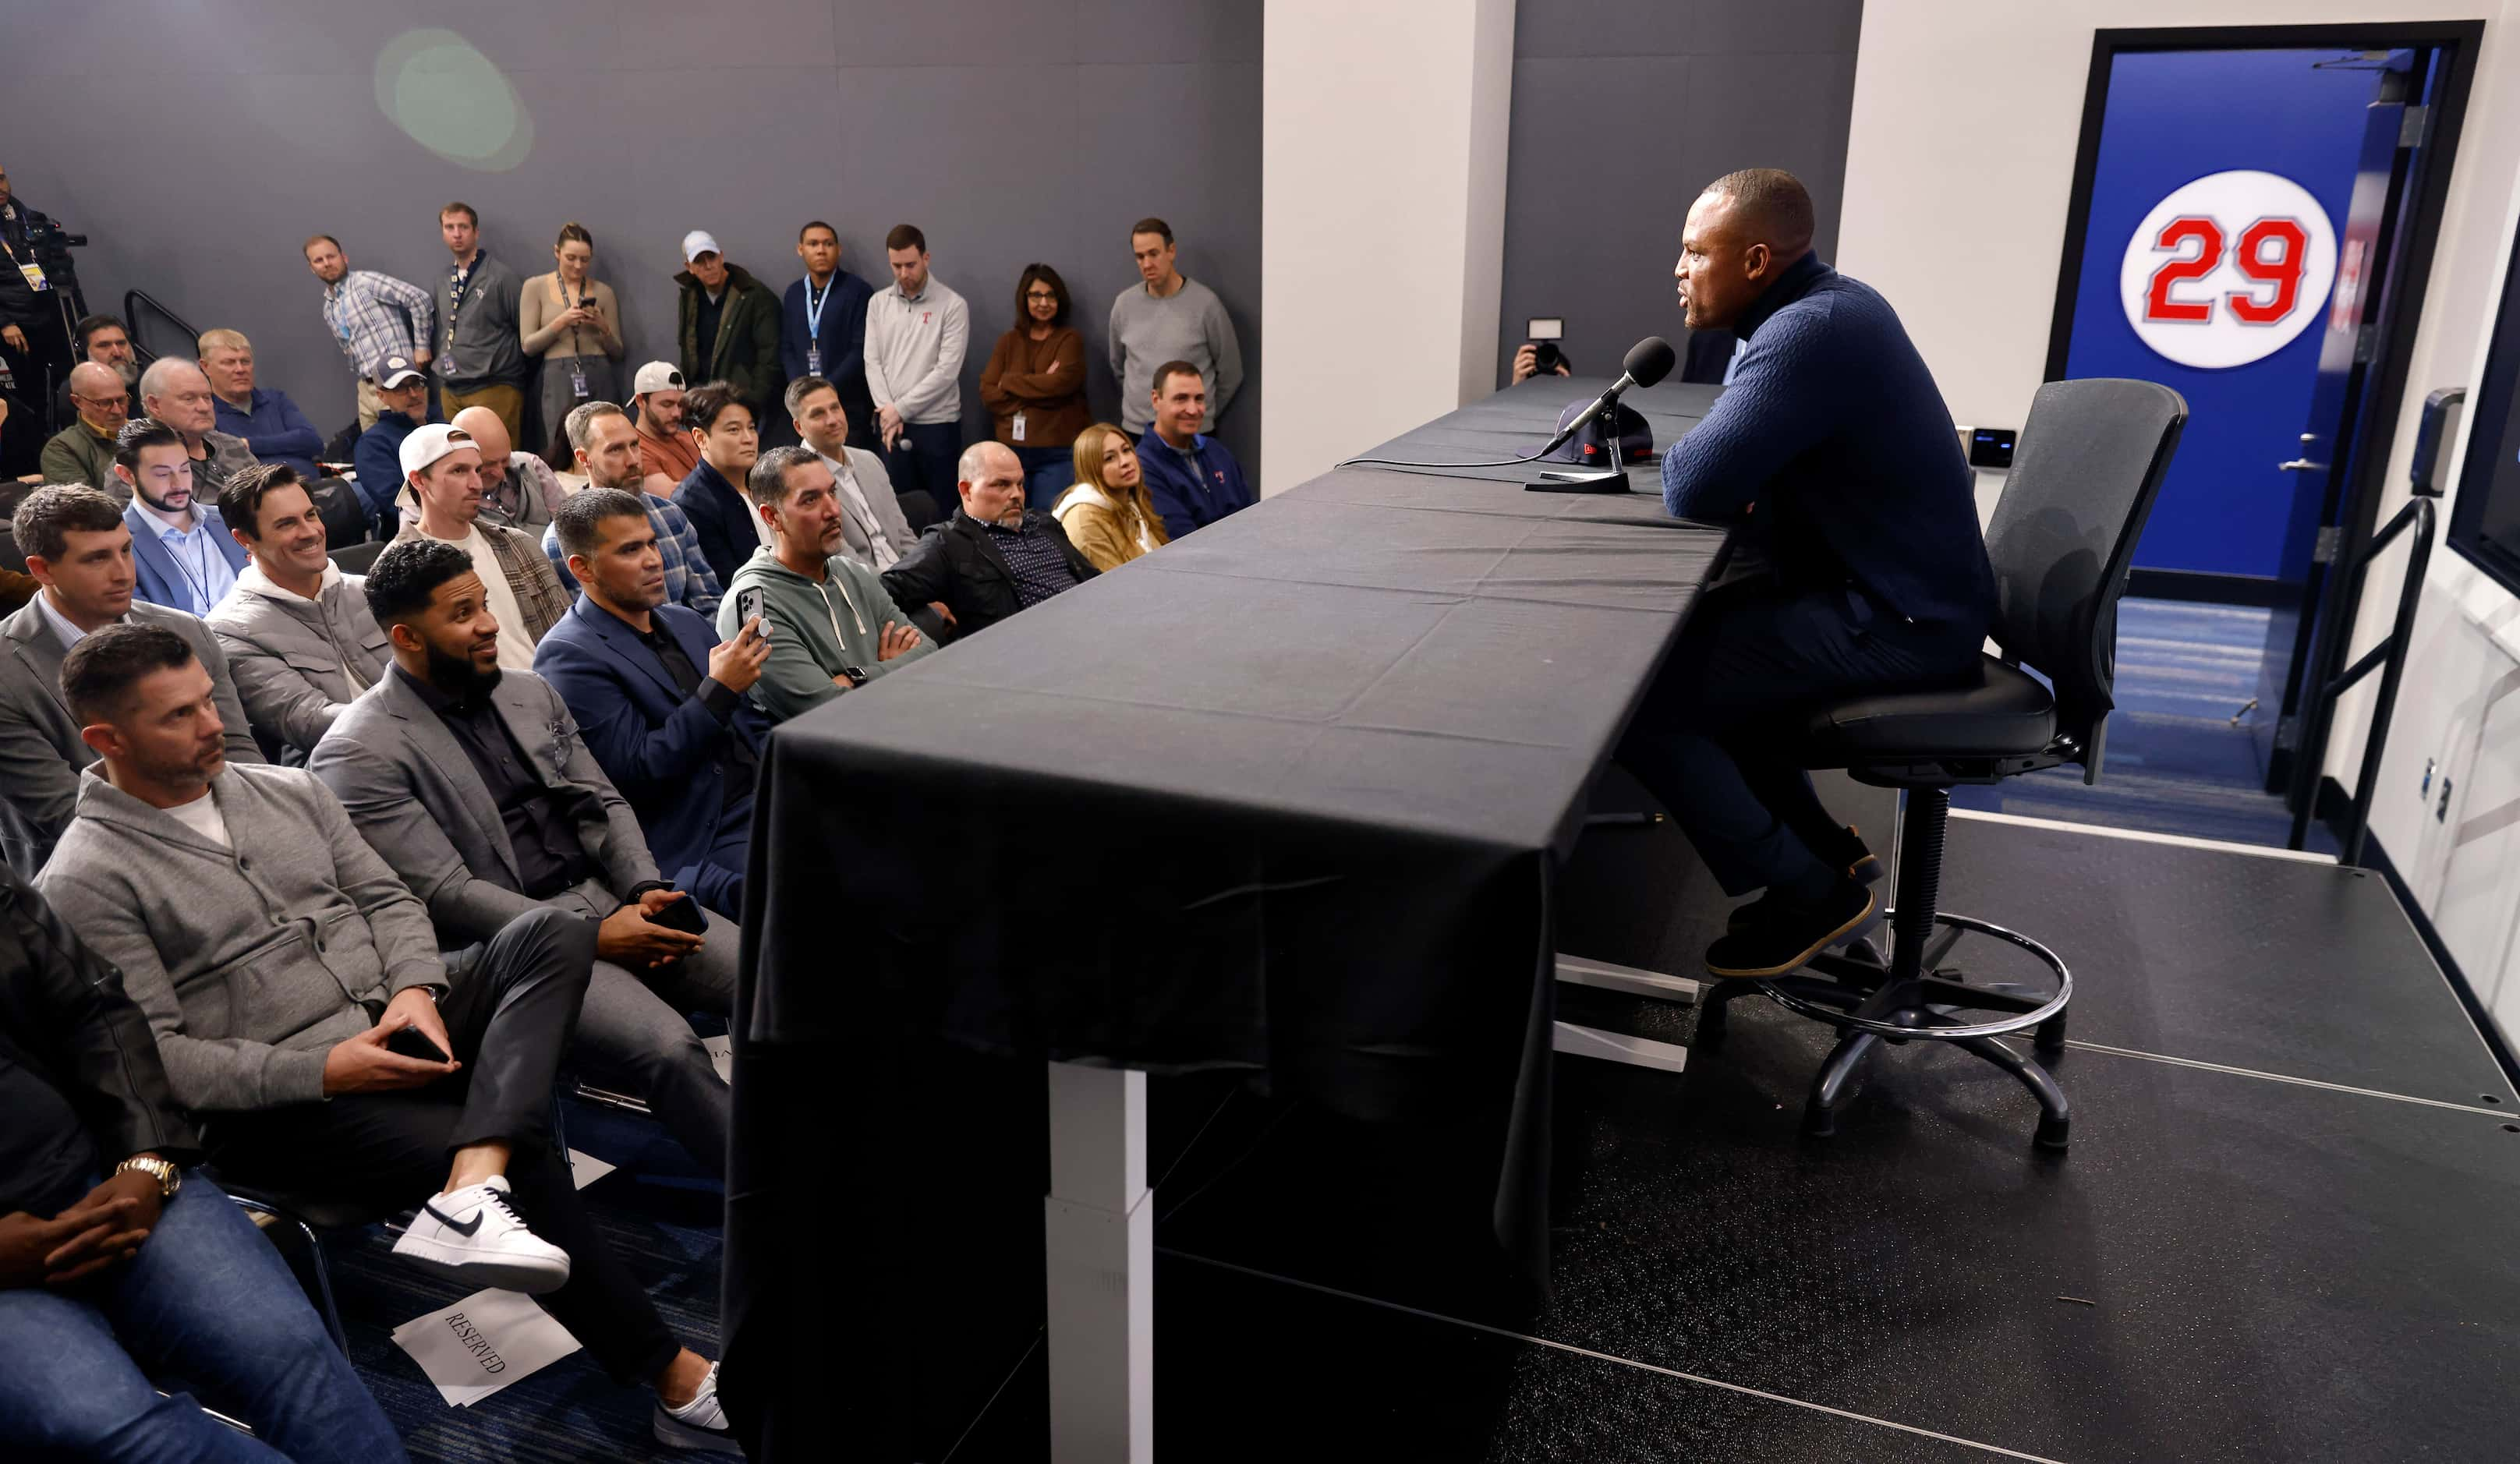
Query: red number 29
[(2270, 252)]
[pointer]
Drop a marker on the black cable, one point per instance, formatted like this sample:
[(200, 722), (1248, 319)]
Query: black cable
[(1396, 462)]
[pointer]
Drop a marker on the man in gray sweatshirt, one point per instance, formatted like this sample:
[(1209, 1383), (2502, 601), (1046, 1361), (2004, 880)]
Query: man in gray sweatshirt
[(1169, 317)]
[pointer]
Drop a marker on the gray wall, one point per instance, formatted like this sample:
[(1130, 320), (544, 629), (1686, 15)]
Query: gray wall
[(200, 141), (1622, 111)]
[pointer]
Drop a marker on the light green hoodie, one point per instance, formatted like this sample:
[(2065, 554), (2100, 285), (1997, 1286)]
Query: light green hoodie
[(815, 629)]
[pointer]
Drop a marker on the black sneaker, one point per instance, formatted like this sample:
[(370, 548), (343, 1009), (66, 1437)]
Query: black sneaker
[(1783, 934), (1852, 854)]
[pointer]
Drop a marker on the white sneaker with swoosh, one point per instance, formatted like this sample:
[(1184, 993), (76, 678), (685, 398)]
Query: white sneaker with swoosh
[(471, 1235)]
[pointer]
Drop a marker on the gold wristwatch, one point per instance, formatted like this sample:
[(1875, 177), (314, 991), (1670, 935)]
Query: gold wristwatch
[(169, 1178)]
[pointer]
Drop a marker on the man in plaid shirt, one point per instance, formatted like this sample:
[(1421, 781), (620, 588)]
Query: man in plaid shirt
[(607, 453), (372, 316)]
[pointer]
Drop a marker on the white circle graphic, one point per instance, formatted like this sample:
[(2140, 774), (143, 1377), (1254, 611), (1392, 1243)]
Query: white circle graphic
[(2228, 268)]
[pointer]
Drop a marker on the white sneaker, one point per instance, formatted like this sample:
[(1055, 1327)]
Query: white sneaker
[(699, 1424), (471, 1236)]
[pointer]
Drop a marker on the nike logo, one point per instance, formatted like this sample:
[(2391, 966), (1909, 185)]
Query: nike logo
[(465, 1228)]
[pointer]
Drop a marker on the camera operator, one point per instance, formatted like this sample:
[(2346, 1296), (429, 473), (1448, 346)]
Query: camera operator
[(1535, 357), (38, 298)]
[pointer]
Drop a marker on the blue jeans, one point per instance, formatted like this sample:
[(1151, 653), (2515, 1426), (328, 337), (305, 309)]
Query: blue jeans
[(205, 1299), (1047, 472), (927, 462), (1714, 740)]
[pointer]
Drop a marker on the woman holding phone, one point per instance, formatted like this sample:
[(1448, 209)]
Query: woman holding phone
[(571, 321)]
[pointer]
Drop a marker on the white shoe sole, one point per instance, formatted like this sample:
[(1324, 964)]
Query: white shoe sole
[(481, 1268), (673, 1433)]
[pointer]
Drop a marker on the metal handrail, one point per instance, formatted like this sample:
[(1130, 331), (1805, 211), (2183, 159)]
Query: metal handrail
[(2390, 653), (132, 300)]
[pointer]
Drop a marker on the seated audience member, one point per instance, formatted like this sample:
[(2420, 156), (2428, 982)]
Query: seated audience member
[(277, 1031), (83, 451), (301, 643), (833, 625), (1107, 515), (180, 548), (402, 405), (713, 497), (519, 490), (994, 556), (1034, 386), (102, 339), (185, 1285), (1190, 478), (443, 470), (274, 430), (874, 531), (475, 784), (607, 454), (176, 394), (79, 550), (659, 697), (665, 450)]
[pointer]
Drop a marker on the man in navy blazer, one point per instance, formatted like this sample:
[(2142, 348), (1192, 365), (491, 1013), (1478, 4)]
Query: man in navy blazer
[(823, 329), (181, 551), (659, 697)]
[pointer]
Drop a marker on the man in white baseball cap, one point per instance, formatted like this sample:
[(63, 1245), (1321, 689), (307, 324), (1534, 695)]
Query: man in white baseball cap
[(729, 325), (443, 466), (665, 450)]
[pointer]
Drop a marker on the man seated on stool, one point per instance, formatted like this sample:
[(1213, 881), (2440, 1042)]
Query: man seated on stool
[(476, 786), (1858, 565), (659, 697), (278, 960)]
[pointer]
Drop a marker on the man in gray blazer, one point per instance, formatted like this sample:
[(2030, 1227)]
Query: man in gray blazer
[(296, 630), (476, 786), (872, 529), (80, 551)]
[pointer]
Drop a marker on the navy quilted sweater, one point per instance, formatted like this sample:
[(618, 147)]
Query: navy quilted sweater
[(1834, 451)]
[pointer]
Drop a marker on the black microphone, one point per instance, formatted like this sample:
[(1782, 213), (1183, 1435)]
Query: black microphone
[(1648, 361)]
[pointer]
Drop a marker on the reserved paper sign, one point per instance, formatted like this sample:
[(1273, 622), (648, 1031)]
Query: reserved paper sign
[(483, 1343), (721, 1050)]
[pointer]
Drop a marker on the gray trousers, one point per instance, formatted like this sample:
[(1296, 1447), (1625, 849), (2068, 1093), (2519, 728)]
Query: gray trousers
[(632, 1025)]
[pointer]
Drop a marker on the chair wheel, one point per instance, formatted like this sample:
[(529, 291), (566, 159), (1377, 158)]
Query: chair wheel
[(1820, 1123), (2051, 1134)]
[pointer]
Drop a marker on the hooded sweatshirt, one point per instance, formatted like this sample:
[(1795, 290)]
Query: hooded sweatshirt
[(815, 629)]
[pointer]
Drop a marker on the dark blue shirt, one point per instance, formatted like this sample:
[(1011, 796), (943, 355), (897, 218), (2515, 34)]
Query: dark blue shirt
[(1195, 489), (1832, 450), (379, 461), (275, 431), (842, 339)]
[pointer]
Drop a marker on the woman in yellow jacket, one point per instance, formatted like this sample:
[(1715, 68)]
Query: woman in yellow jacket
[(1107, 515)]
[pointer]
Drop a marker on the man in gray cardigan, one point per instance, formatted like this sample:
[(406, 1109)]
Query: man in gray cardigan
[(78, 549), (296, 631), (476, 786), (282, 968)]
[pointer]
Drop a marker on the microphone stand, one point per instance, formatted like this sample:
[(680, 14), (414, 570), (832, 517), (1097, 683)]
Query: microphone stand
[(1612, 478)]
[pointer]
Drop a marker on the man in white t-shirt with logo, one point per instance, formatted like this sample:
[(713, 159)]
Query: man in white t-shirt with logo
[(443, 467)]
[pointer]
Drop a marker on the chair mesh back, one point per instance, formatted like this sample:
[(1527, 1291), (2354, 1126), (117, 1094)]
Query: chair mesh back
[(2090, 461)]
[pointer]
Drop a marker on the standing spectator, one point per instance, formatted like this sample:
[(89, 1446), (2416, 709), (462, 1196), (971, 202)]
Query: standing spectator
[(573, 323), (714, 497), (1107, 515), (444, 470), (301, 643), (270, 424), (729, 325), (173, 390), (102, 339), (822, 329), (180, 548), (994, 556), (606, 447), (402, 405), (83, 451), (1034, 386), (37, 284), (372, 316), (665, 450), (1191, 477), (481, 354), (1169, 317), (917, 332)]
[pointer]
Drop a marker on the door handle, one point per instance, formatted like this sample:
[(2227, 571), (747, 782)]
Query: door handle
[(2300, 465)]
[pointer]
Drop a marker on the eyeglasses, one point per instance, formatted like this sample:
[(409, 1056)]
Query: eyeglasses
[(1041, 294)]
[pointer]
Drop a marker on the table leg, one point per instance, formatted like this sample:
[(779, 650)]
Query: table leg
[(1098, 1232)]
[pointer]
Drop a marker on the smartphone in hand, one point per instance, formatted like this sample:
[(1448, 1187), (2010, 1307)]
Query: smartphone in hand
[(411, 1042)]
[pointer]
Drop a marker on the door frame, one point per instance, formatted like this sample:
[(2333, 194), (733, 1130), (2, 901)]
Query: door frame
[(2360, 479)]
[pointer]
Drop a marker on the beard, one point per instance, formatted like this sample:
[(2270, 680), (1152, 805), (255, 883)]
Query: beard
[(130, 371), (459, 678)]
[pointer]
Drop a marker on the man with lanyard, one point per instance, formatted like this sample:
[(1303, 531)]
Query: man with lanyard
[(36, 278), (480, 352), (372, 316), (826, 336), (181, 550)]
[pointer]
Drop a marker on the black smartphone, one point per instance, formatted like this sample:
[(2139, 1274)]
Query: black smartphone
[(748, 603), (411, 1042), (682, 914)]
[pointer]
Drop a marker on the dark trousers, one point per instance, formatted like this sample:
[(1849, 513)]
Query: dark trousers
[(1714, 741), (509, 1015), (925, 461)]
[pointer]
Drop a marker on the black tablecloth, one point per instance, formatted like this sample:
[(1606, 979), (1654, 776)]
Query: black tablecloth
[(1285, 796)]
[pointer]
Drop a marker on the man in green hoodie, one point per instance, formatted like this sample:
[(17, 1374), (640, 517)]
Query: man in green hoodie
[(832, 627)]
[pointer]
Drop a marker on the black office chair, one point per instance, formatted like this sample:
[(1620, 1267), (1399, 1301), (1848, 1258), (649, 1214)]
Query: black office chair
[(2091, 460), (307, 1215), (356, 558)]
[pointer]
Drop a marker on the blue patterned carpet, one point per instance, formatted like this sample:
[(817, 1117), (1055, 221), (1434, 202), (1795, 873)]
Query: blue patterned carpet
[(2176, 759)]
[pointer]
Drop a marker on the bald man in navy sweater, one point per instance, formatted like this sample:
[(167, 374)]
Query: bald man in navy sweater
[(1858, 565)]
